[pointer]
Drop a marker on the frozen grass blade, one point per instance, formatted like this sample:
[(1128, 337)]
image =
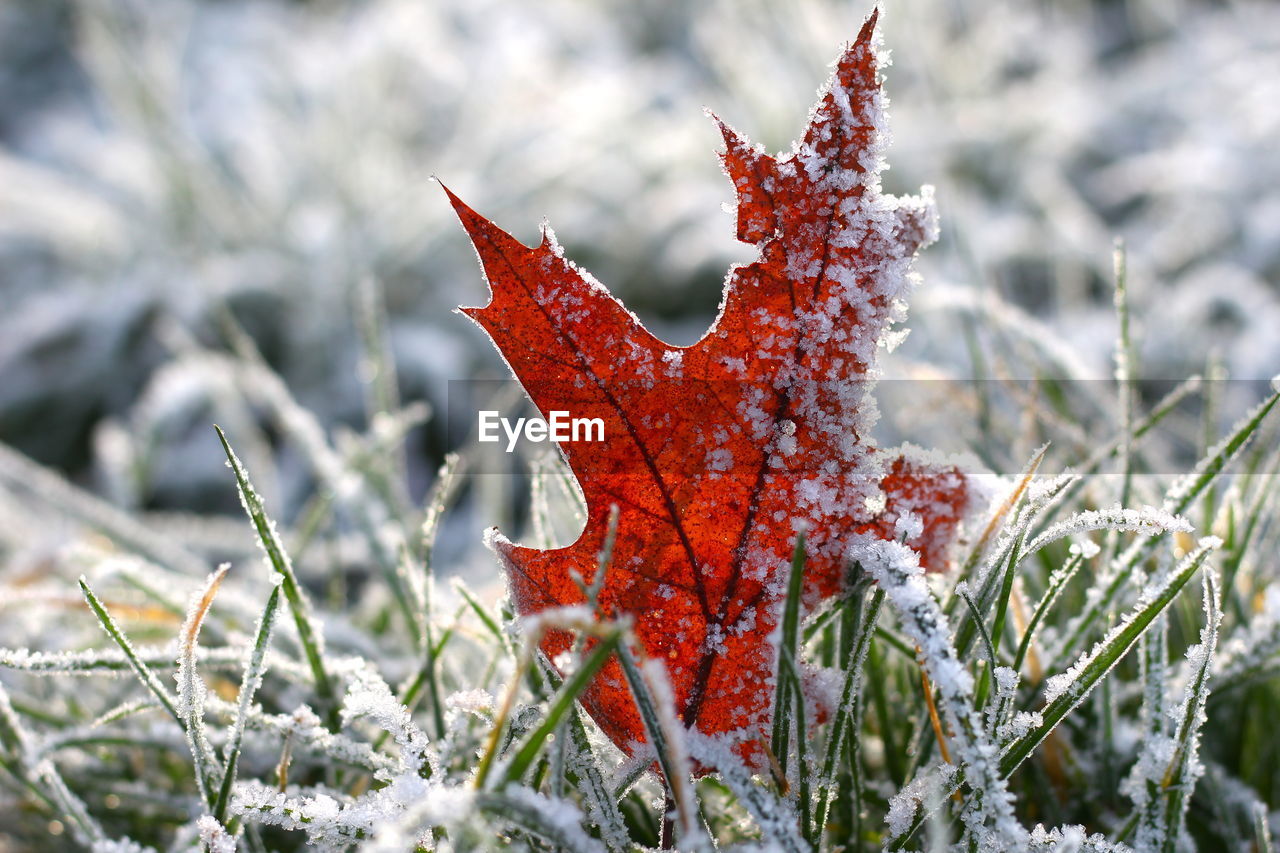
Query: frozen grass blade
[(368, 508), (1206, 472), (1261, 828), (787, 673), (423, 583), (1143, 786), (191, 688), (778, 824), (862, 613), (602, 801), (105, 662), (1166, 406), (139, 667), (1066, 691), (1180, 778), (989, 805), (304, 731), (378, 373), (664, 733), (1057, 582), (561, 704), (1008, 506), (1147, 521), (1179, 497), (552, 821), (308, 632), (254, 668)]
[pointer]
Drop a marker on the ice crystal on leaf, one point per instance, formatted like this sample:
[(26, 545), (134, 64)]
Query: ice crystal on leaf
[(715, 451)]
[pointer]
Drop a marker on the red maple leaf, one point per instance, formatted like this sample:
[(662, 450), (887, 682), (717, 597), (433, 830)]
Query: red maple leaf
[(714, 453)]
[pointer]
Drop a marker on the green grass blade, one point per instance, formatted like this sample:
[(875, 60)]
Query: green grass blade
[(992, 663), (1057, 582), (1098, 662), (486, 618), (674, 764), (1179, 497), (893, 754), (308, 632), (539, 816), (560, 705), (786, 670), (144, 673), (369, 508), (602, 801), (191, 689), (865, 612), (1124, 357), (992, 639), (993, 579), (1181, 776), (254, 668)]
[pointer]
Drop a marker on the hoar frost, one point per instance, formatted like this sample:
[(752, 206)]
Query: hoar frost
[(988, 812)]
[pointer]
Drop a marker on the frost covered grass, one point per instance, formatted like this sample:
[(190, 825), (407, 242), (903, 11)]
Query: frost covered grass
[(166, 163), (1091, 676), (1100, 672)]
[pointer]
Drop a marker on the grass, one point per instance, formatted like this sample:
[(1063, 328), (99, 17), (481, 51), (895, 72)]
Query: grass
[(1105, 703)]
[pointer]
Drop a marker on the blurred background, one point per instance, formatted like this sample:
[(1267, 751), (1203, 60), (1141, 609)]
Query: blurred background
[(175, 173)]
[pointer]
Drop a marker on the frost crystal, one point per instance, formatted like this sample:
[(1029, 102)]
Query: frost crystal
[(925, 791), (1148, 520), (215, 837), (908, 527), (1072, 839)]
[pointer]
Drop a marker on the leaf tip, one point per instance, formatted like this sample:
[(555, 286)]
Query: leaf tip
[(869, 25), (459, 206), (495, 541), (473, 222)]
